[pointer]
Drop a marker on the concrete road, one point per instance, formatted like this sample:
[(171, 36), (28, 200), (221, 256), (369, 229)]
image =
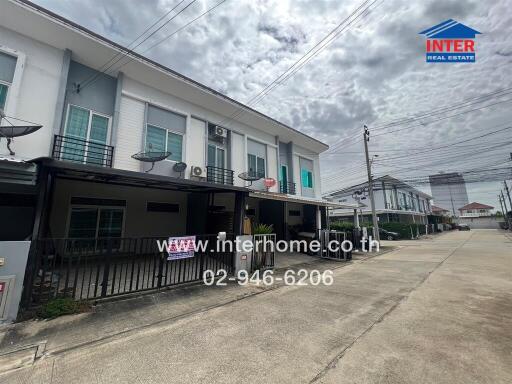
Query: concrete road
[(433, 311)]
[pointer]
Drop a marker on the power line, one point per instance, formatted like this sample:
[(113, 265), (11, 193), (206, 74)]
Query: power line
[(101, 68), (132, 50)]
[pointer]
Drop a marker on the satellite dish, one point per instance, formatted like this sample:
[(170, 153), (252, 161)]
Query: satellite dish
[(249, 177), (15, 131), (179, 167), (151, 157)]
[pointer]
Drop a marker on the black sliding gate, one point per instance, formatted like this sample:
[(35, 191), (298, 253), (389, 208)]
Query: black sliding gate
[(87, 269)]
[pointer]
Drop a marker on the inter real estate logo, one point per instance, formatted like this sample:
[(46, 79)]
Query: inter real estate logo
[(450, 42)]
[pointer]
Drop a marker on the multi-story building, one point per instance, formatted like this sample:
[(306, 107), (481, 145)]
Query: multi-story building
[(88, 172), (476, 210), (449, 191), (395, 201)]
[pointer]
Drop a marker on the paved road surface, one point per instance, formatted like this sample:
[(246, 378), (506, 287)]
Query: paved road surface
[(433, 311)]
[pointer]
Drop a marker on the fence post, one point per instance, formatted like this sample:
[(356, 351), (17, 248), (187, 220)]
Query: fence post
[(106, 268), (160, 269)]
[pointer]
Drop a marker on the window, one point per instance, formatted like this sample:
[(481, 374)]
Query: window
[(161, 140), (306, 178), (3, 95), (7, 68), (95, 222), (85, 125), (294, 212), (256, 165), (162, 207), (164, 132), (216, 156)]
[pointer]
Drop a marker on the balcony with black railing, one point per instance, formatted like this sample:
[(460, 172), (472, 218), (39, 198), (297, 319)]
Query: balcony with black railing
[(287, 187), (219, 175), (82, 151)]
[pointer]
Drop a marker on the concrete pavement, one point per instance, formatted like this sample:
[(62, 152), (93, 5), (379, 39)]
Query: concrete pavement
[(433, 311)]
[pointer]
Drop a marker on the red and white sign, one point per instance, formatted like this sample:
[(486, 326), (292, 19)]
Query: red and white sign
[(2, 287), (181, 247), (269, 182)]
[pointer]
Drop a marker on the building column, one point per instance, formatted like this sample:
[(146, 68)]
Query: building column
[(356, 219), (46, 183), (58, 123), (239, 213)]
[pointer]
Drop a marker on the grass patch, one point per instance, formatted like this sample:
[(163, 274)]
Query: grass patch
[(62, 306)]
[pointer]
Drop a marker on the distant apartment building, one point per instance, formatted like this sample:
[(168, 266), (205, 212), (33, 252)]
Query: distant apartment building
[(395, 201), (449, 191)]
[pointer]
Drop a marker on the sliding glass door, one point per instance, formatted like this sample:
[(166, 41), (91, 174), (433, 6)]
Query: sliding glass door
[(86, 135)]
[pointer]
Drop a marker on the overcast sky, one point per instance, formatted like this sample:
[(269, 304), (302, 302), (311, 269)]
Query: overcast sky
[(374, 72)]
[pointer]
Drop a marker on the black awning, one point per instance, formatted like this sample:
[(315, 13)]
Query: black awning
[(98, 174)]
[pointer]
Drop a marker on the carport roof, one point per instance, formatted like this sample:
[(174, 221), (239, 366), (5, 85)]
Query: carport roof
[(97, 174), (299, 199)]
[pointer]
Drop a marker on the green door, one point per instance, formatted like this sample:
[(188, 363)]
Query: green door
[(284, 179)]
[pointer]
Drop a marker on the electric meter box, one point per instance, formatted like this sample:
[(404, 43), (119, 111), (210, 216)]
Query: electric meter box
[(6, 289), (242, 257), (13, 262)]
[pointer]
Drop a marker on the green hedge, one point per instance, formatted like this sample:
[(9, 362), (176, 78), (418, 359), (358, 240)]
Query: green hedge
[(342, 226), (404, 230)]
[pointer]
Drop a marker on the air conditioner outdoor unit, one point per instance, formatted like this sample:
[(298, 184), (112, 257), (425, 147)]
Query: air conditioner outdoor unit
[(221, 132), (197, 171)]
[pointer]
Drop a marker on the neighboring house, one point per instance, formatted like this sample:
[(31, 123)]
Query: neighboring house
[(449, 191), (438, 211), (75, 182), (478, 216), (475, 210), (395, 201)]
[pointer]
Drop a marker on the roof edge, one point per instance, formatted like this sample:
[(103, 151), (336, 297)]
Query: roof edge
[(144, 59)]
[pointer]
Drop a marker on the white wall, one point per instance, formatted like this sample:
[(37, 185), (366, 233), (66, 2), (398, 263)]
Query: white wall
[(130, 133), (272, 167), (315, 158), (195, 144), (238, 157), (37, 92), (194, 154)]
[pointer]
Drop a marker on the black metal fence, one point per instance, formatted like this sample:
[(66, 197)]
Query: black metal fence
[(288, 188), (219, 175), (82, 151), (264, 252), (86, 269), (332, 246)]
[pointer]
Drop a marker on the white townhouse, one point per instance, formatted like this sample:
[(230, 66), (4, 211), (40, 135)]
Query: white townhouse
[(89, 171), (395, 201)]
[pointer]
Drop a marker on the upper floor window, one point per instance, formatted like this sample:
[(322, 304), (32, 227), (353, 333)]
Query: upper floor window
[(306, 177), (7, 68), (89, 132), (256, 158), (164, 132), (256, 165)]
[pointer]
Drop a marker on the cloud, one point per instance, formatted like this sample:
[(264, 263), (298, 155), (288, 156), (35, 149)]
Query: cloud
[(372, 73)]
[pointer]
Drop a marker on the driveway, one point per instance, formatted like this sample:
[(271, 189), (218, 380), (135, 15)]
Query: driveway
[(433, 311)]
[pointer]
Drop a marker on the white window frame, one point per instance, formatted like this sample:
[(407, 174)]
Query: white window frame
[(11, 100), (91, 112), (217, 147), (166, 143), (98, 207), (8, 85), (257, 157)]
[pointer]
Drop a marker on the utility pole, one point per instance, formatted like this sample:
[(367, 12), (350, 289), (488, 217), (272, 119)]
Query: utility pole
[(366, 139), (506, 210), (502, 209), (508, 193)]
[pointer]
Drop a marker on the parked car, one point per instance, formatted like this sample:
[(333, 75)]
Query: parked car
[(463, 227), (388, 235)]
